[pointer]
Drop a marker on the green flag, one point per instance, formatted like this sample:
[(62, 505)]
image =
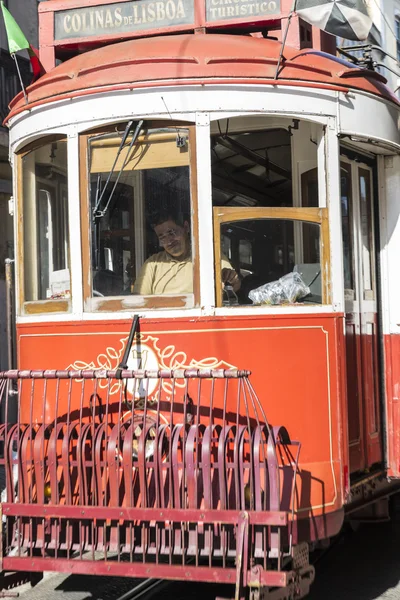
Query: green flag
[(16, 38)]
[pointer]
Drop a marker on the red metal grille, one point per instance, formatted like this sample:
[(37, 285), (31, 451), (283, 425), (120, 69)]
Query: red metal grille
[(168, 474)]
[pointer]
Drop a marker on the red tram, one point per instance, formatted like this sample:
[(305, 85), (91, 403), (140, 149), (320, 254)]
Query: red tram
[(226, 429)]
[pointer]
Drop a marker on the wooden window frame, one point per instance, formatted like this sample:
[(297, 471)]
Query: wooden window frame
[(34, 307), (308, 215), (135, 302)]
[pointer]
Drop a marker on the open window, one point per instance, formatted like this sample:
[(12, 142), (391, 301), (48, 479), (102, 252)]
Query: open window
[(268, 220), (141, 202), (45, 278), (260, 244)]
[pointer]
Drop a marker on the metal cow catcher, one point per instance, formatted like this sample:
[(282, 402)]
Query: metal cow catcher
[(171, 488)]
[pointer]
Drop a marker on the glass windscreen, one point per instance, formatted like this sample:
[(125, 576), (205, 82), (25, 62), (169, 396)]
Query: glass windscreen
[(277, 261), (260, 167), (45, 222), (141, 213)]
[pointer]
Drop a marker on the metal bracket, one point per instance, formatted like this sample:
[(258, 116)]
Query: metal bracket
[(202, 119)]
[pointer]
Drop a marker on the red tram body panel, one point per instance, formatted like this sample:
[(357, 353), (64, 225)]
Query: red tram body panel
[(288, 357)]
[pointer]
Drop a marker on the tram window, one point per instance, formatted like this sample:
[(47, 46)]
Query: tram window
[(269, 219), (262, 251), (45, 223), (273, 166), (140, 215), (252, 168)]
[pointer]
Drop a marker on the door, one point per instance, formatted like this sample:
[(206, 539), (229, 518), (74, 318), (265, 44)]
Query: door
[(362, 360)]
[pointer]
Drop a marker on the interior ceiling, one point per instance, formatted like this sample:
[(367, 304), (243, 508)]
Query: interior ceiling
[(251, 169)]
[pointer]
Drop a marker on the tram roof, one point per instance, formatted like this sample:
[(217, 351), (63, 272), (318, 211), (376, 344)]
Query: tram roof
[(196, 59)]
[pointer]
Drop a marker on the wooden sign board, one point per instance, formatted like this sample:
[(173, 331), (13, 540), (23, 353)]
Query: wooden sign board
[(122, 17), (76, 23), (221, 10)]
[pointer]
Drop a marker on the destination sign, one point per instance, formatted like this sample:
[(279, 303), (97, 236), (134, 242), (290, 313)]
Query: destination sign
[(222, 10), (122, 17)]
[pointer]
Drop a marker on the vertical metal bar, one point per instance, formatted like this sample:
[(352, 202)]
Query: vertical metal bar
[(68, 538), (10, 313), (30, 480), (131, 541), (106, 430), (224, 423), (171, 503), (30, 538), (57, 490), (171, 429), (119, 447), (211, 416), (143, 435), (19, 441), (251, 465), (224, 533), (198, 401), (92, 532), (85, 493), (185, 428), (237, 443), (242, 554), (118, 541), (94, 483), (44, 401), (184, 487), (67, 479), (105, 540), (157, 468), (211, 471), (5, 389), (43, 466)]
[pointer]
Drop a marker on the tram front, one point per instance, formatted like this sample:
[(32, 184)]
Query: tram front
[(176, 178)]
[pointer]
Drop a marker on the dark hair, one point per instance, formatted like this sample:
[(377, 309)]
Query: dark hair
[(161, 217)]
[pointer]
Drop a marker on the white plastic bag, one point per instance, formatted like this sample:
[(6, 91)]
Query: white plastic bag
[(286, 290)]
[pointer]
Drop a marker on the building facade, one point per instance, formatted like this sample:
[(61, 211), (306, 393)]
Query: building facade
[(387, 14), (386, 34)]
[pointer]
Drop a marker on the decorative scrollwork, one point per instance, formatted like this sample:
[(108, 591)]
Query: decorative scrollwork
[(146, 353)]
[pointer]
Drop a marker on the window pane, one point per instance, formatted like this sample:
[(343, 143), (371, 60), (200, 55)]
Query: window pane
[(262, 251), (45, 217), (255, 165), (140, 214), (366, 230), (347, 220), (252, 168), (309, 188)]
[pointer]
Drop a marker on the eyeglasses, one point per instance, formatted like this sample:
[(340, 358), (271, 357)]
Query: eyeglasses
[(165, 237)]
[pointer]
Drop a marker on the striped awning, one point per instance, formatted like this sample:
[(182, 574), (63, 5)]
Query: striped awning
[(344, 18)]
